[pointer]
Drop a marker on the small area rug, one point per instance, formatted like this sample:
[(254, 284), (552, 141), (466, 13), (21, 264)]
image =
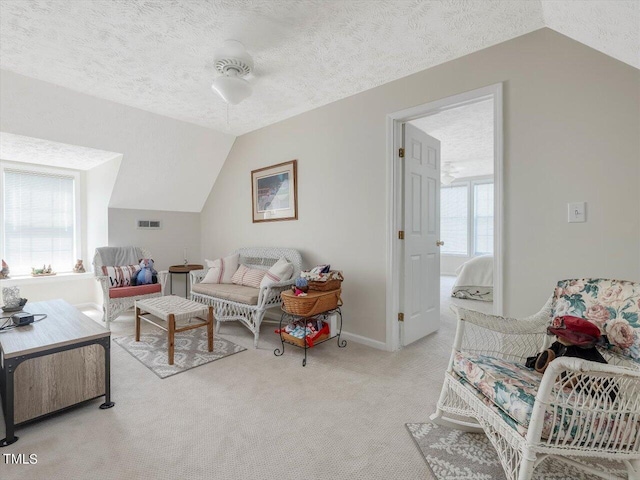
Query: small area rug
[(455, 455), (190, 350)]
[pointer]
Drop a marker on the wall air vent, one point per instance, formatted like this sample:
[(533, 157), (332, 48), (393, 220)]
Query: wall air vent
[(149, 224)]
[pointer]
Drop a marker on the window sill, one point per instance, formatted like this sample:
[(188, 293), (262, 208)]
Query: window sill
[(29, 280)]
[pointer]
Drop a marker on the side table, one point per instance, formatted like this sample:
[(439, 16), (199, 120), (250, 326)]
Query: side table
[(288, 317), (182, 270)]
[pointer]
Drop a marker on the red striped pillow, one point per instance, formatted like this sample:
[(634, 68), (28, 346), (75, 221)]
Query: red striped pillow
[(221, 270), (279, 272), (249, 277), (120, 276)]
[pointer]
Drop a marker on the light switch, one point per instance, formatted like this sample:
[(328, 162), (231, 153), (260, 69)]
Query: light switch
[(577, 212)]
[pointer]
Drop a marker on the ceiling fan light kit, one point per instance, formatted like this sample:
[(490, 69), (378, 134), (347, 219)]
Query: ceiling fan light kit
[(447, 173), (233, 62), (447, 178)]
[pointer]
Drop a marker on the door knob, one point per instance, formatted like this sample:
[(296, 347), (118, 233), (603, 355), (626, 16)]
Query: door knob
[(439, 243)]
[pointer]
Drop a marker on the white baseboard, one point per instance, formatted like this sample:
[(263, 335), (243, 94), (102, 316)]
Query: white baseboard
[(369, 342), (95, 306), (271, 316)]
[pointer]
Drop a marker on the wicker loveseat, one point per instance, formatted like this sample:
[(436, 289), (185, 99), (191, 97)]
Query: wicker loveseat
[(577, 408), (116, 300), (246, 304)]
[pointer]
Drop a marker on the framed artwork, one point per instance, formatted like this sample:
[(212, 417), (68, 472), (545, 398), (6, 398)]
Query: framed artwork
[(274, 192)]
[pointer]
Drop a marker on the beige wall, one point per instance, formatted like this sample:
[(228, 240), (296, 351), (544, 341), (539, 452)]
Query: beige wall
[(571, 124), (180, 230)]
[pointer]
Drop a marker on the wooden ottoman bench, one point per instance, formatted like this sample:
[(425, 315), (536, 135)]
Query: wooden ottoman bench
[(174, 309)]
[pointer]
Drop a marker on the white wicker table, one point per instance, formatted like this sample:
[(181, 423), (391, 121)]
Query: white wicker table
[(172, 309)]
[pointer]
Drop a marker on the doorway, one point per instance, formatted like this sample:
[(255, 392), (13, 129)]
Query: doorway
[(460, 213)]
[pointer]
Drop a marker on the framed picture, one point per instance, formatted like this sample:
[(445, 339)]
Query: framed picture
[(274, 192)]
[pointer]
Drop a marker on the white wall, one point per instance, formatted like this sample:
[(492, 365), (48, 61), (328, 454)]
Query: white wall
[(77, 289), (98, 184), (450, 263), (167, 164), (571, 128)]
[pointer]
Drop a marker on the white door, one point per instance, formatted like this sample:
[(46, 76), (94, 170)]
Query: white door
[(421, 297)]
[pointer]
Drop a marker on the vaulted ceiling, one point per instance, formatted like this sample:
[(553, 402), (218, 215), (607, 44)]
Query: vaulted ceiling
[(156, 55), (466, 137)]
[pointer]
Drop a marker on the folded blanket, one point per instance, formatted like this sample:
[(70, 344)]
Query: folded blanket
[(116, 256), (475, 279)]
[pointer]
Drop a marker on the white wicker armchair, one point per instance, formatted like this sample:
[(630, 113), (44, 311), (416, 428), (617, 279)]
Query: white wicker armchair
[(578, 408), (248, 314), (113, 306)]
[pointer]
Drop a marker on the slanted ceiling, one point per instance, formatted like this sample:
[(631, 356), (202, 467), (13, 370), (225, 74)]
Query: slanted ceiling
[(157, 55)]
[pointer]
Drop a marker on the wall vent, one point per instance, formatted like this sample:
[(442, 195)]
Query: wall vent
[(149, 224)]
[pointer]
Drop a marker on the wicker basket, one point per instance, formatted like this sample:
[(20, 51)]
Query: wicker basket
[(325, 286), (301, 341), (311, 304)]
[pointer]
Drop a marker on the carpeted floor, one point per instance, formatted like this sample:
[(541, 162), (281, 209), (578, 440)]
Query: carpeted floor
[(249, 416)]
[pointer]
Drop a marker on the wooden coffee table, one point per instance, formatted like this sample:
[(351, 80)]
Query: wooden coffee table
[(172, 309), (64, 360)]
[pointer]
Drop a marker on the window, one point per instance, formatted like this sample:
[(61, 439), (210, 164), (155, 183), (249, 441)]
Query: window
[(39, 219), (483, 218), (453, 219), (466, 218)]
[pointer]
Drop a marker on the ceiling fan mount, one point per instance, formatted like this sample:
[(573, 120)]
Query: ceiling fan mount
[(233, 62)]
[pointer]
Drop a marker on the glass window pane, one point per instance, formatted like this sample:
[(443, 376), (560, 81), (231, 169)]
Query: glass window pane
[(453, 219), (39, 221), (483, 218)]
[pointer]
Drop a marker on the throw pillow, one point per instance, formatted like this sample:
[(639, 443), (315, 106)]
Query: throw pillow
[(281, 271), (221, 270), (249, 277), (120, 276)]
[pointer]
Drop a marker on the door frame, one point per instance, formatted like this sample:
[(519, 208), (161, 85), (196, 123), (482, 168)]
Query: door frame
[(394, 219)]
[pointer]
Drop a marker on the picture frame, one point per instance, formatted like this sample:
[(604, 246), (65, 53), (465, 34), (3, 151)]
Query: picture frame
[(274, 192)]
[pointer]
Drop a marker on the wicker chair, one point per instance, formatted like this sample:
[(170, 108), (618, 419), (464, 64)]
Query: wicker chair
[(577, 409), (119, 299), (249, 313)]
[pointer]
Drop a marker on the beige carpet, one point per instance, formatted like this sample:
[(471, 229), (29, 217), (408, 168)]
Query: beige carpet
[(251, 416)]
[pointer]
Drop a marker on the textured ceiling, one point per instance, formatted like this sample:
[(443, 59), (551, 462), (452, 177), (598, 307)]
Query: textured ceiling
[(610, 26), (18, 148), (157, 54), (466, 137)]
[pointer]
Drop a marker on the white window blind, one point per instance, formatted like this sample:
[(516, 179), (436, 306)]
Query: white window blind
[(453, 219), (483, 218), (39, 221)]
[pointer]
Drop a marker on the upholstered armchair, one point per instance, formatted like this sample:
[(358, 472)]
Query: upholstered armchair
[(117, 299), (577, 409)]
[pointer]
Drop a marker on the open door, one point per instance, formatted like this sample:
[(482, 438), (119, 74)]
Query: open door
[(421, 296)]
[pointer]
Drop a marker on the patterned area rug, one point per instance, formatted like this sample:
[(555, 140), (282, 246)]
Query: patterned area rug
[(455, 455), (190, 350)]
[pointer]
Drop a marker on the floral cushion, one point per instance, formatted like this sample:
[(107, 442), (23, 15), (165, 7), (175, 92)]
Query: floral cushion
[(612, 305), (510, 386), (510, 390)]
